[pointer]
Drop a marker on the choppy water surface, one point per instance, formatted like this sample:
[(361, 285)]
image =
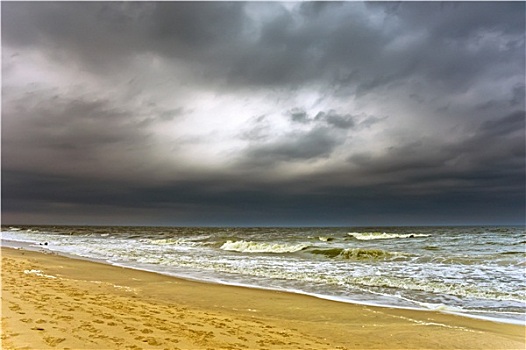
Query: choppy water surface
[(474, 271)]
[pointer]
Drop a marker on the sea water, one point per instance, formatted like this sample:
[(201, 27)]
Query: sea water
[(471, 271)]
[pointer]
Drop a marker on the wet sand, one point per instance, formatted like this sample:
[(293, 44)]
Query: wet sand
[(54, 302)]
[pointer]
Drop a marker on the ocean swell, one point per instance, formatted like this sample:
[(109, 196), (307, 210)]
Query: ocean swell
[(368, 236), (261, 247), (358, 254)]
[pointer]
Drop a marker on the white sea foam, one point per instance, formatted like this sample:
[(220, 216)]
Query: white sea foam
[(170, 241), (466, 272), (437, 288), (38, 273), (358, 254), (368, 254), (368, 236), (261, 247)]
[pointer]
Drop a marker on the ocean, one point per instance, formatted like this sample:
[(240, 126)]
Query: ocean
[(471, 271)]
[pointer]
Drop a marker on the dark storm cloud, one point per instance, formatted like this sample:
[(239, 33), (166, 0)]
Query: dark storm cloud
[(315, 143), (336, 120), (510, 124), (352, 52), (51, 132), (104, 36), (196, 25), (88, 33), (333, 43), (322, 134), (330, 118), (450, 146), (209, 203), (493, 159), (464, 40), (299, 116)]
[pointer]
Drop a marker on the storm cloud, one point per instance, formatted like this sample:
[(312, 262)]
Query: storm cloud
[(263, 113)]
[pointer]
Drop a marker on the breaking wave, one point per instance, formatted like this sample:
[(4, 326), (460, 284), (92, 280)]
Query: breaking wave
[(367, 236), (262, 247), (195, 241), (358, 254)]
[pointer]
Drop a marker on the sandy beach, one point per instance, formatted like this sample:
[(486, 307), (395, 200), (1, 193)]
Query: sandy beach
[(54, 302)]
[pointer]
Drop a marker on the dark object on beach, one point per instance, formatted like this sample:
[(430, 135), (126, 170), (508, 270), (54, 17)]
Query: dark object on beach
[(411, 236)]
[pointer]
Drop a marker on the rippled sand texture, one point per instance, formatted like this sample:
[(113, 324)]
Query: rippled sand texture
[(55, 302)]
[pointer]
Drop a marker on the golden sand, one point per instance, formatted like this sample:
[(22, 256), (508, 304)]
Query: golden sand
[(53, 302)]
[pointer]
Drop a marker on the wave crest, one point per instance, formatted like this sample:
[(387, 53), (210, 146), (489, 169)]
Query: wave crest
[(185, 241), (367, 236), (261, 247), (358, 254)]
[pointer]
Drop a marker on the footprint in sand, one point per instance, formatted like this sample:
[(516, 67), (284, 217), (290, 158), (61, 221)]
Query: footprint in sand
[(108, 316), (52, 341), (152, 341), (15, 307)]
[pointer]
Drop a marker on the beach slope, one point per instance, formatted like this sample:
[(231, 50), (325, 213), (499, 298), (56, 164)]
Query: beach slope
[(54, 302)]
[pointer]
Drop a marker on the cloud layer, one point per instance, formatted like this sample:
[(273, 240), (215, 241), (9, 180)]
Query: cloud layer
[(309, 113)]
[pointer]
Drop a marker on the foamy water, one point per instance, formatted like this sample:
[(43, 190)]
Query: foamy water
[(472, 271)]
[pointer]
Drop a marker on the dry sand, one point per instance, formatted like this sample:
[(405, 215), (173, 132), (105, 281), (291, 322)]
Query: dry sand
[(49, 301)]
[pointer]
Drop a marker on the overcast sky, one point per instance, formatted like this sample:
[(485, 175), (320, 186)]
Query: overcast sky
[(263, 113)]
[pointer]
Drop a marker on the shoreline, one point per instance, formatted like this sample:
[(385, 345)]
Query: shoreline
[(313, 295), (86, 304), (29, 246)]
